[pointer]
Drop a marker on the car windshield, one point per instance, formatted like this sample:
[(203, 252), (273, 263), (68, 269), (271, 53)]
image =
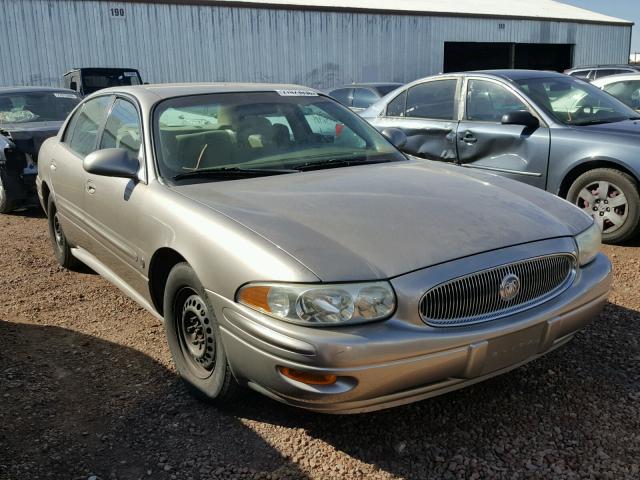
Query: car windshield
[(250, 132), (574, 102), (42, 106), (94, 81)]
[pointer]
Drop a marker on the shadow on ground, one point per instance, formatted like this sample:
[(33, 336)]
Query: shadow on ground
[(74, 405)]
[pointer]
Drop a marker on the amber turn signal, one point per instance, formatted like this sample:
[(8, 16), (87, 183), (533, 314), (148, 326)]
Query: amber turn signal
[(256, 296), (308, 377)]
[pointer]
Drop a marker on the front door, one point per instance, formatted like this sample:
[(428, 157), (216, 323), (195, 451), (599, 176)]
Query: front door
[(427, 114), (115, 205), (513, 151), (67, 173)]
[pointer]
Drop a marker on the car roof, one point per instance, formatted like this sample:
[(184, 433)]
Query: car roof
[(517, 74), (367, 84), (613, 65), (619, 77), (169, 90), (34, 89)]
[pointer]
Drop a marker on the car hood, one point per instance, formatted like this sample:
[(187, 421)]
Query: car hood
[(380, 221), (28, 137), (631, 127)]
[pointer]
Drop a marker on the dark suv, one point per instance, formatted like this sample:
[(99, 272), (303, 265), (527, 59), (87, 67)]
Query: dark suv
[(85, 81)]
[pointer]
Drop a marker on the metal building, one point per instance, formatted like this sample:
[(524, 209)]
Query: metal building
[(319, 43)]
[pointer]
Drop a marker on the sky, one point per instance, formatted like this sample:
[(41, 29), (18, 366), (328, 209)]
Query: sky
[(625, 9)]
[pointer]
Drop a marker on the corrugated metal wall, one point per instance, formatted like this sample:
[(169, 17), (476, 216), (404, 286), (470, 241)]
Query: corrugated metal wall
[(168, 43)]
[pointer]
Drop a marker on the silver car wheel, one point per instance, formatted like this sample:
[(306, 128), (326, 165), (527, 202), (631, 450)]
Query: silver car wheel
[(606, 203)]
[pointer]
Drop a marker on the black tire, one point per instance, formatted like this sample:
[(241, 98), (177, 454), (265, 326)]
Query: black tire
[(618, 181), (61, 247), (6, 193), (194, 339)]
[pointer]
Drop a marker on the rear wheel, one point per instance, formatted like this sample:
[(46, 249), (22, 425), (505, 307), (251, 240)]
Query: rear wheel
[(61, 248), (194, 338), (611, 198)]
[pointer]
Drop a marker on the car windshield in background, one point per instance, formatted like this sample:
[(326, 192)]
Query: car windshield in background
[(25, 107), (259, 132), (92, 82), (574, 102)]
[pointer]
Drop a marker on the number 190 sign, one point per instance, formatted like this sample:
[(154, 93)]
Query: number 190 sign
[(117, 13)]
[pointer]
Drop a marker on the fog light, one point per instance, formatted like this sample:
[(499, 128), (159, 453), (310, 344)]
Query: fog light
[(309, 378)]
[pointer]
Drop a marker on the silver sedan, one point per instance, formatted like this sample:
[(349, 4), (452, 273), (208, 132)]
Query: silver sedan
[(289, 247)]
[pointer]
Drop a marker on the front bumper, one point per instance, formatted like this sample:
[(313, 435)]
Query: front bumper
[(402, 360)]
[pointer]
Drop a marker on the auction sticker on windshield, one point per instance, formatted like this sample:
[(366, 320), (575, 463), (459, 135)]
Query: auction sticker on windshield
[(297, 93), (65, 95)]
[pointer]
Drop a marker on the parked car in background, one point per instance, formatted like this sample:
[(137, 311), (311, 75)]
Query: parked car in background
[(359, 96), (593, 72), (546, 129), (86, 81), (28, 116), (625, 87), (320, 267)]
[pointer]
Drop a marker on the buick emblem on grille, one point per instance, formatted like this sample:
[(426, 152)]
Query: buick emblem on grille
[(509, 287)]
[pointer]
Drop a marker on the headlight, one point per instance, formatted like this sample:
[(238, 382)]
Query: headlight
[(588, 244), (321, 305)]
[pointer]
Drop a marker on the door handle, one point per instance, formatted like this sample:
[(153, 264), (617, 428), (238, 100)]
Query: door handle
[(53, 166), (469, 138), (91, 189)]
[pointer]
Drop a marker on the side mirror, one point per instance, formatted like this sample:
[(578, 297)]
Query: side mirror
[(520, 117), (112, 162), (396, 136)]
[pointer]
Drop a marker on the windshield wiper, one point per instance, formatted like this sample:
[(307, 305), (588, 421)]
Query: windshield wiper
[(226, 172), (337, 162)]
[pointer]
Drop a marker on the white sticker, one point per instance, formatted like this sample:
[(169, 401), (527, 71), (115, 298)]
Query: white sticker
[(65, 95), (297, 93), (130, 74)]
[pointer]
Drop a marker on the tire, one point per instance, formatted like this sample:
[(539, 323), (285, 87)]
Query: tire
[(194, 339), (6, 200), (61, 247), (619, 219)]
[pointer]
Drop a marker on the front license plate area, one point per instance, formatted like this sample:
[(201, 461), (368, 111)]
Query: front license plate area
[(514, 348)]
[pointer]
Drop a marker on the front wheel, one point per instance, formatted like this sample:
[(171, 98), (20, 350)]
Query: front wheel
[(611, 198), (194, 338), (6, 201)]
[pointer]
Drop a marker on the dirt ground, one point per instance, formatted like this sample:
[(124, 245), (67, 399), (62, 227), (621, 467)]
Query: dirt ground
[(87, 390)]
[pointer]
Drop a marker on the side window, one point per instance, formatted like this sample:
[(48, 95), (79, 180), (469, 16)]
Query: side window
[(395, 108), (363, 97), (82, 134), (122, 129), (627, 92), (488, 101), (607, 72), (435, 99), (343, 95)]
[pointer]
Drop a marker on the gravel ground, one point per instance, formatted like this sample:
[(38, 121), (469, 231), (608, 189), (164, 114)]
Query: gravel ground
[(87, 390)]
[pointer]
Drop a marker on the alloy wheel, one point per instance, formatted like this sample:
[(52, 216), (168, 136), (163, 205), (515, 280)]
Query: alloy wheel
[(606, 203)]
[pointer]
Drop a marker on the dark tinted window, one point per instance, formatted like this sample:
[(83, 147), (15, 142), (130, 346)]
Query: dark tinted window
[(488, 101), (92, 81), (609, 72), (580, 73), (343, 95), (434, 99), (82, 134), (122, 129), (395, 108), (363, 97)]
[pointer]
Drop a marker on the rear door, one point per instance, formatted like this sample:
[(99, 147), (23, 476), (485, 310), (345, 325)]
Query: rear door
[(427, 113), (483, 142)]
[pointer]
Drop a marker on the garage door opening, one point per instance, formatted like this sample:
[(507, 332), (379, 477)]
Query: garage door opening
[(462, 56)]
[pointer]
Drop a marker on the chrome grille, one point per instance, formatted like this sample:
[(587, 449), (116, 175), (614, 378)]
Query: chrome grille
[(476, 297)]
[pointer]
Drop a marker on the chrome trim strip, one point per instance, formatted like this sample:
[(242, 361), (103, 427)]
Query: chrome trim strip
[(503, 170)]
